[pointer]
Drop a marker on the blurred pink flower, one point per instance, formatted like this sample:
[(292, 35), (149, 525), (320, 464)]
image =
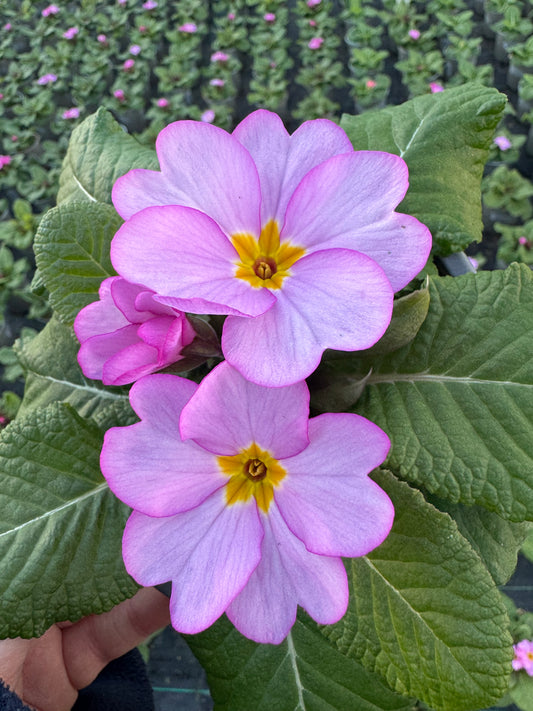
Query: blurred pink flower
[(231, 16), (217, 82), (1, 96), (503, 143), (315, 42), (312, 23), (523, 240), (102, 39), (313, 3), (208, 116), (142, 28), (269, 17), (135, 49), (150, 5), (50, 10), (47, 79), (4, 160), (370, 84), (119, 94), (523, 656), (70, 33), (435, 87), (8, 26), (414, 34), (128, 65), (219, 57), (14, 138), (189, 28), (163, 103), (72, 113)]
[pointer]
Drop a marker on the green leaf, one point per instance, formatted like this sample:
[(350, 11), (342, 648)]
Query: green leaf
[(304, 673), (522, 692), (527, 548), (99, 152), (72, 253), (61, 527), (53, 374), (425, 613), (496, 540), (457, 402), (444, 139)]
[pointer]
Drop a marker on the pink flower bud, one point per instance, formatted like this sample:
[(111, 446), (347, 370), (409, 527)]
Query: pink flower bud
[(50, 10), (208, 116), (219, 57), (71, 33), (72, 113), (4, 160), (128, 65), (414, 34), (189, 28), (119, 94), (269, 17), (503, 143), (315, 42), (370, 84), (163, 103), (435, 87)]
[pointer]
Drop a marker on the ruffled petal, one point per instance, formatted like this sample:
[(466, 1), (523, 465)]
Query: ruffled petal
[(227, 413), (347, 200), (146, 464), (327, 498), (203, 167), (209, 554), (288, 575), (182, 255), (97, 350), (283, 160), (334, 299), (100, 316), (130, 364)]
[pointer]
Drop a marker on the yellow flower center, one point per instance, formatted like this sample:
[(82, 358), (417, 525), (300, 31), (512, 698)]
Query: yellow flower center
[(266, 261), (253, 472)]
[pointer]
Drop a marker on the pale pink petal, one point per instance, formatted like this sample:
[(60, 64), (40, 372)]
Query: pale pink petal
[(125, 295), (283, 160), (203, 167), (146, 464), (209, 554), (288, 575), (97, 350), (327, 499), (227, 413), (100, 316), (334, 299), (130, 364), (181, 254), (347, 201)]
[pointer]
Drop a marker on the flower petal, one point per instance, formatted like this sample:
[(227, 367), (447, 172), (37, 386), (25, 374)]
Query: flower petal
[(287, 575), (97, 350), (130, 364), (100, 316), (227, 413), (146, 464), (182, 255), (203, 167), (327, 499), (209, 554), (283, 160), (348, 201), (336, 298)]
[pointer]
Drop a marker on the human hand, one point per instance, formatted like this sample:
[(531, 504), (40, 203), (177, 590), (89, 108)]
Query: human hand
[(46, 672)]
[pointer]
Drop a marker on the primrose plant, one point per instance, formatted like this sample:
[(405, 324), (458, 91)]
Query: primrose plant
[(258, 392)]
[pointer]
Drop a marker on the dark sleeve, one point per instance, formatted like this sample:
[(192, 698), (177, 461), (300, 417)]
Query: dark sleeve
[(9, 701)]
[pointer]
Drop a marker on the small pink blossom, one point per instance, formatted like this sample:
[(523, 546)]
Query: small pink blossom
[(47, 79), (1, 97), (273, 65), (119, 94), (315, 42), (217, 82), (188, 28), (121, 2), (313, 3), (14, 138), (4, 160), (523, 240), (150, 5), (142, 28), (312, 23), (50, 10), (102, 39), (72, 113), (219, 56), (523, 656), (244, 502), (231, 16), (269, 17), (208, 116), (370, 84), (163, 103), (71, 33), (128, 65), (8, 26), (414, 34), (503, 143), (435, 87), (135, 49)]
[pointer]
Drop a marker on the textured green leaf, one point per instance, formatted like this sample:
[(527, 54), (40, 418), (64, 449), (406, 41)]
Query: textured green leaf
[(527, 548), (522, 692), (304, 673), (72, 254), (444, 139), (99, 152), (53, 374), (424, 611), (60, 527), (457, 401)]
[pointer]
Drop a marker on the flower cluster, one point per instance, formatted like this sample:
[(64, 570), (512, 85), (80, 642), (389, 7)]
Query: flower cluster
[(239, 498)]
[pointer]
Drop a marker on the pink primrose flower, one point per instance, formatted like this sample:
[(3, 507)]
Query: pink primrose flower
[(231, 16), (47, 79), (523, 240), (142, 28), (4, 161), (70, 33), (523, 656), (315, 42), (312, 23), (163, 103), (1, 96), (414, 34), (243, 502), (370, 84), (435, 87), (503, 143), (14, 138), (8, 26), (188, 28), (219, 57), (128, 65), (127, 334), (295, 238), (72, 113), (150, 5), (135, 49), (208, 116), (217, 82), (50, 10), (119, 94), (269, 17), (313, 3), (102, 39)]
